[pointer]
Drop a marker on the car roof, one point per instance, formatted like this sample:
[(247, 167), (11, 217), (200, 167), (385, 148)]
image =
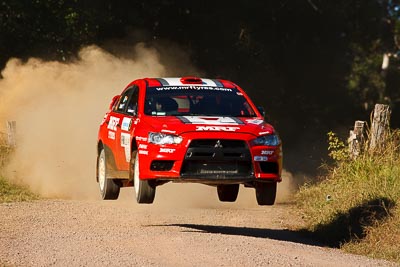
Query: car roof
[(189, 80)]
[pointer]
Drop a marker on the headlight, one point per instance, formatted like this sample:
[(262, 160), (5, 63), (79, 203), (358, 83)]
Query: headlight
[(267, 140), (164, 139)]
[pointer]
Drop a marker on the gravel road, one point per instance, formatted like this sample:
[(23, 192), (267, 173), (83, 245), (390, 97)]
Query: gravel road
[(177, 230)]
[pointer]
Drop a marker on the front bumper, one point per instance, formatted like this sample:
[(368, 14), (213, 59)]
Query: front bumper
[(210, 159)]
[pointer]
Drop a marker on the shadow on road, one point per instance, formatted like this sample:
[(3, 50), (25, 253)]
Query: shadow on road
[(276, 234), (343, 228), (353, 224)]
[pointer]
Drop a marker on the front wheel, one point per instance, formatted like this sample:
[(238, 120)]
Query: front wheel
[(145, 192), (265, 193), (228, 192), (108, 188)]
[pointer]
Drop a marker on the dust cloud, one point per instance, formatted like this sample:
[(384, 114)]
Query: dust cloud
[(58, 108)]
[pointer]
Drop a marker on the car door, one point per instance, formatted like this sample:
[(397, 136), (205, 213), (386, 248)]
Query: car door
[(125, 114)]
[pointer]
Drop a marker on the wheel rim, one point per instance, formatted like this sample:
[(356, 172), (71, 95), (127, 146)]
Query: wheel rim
[(102, 171), (136, 175)]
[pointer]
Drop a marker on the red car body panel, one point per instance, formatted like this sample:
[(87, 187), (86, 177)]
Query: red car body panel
[(219, 138)]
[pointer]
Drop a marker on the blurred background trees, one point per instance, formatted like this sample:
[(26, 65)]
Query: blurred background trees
[(315, 65)]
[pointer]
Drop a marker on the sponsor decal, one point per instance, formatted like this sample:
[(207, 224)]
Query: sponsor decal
[(167, 150), (267, 152), (260, 158), (143, 152), (255, 121), (126, 124), (210, 120), (140, 138), (264, 133), (158, 113), (125, 139), (112, 123), (193, 87), (168, 131), (111, 135), (142, 146), (126, 144), (202, 171), (217, 128)]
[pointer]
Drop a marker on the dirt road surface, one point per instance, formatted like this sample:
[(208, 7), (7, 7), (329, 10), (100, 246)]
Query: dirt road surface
[(182, 228)]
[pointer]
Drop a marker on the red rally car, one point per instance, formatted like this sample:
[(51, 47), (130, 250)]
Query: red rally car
[(187, 129)]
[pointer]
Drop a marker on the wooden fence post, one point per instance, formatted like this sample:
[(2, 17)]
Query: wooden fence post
[(379, 127), (356, 140), (11, 133)]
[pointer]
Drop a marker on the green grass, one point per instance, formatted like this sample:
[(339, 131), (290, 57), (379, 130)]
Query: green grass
[(10, 192), (357, 205)]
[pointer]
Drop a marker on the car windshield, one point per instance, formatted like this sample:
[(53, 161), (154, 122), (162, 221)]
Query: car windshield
[(196, 100)]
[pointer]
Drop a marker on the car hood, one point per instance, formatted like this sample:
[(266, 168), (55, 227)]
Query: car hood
[(183, 124)]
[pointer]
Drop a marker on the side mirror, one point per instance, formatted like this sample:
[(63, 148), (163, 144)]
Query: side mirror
[(261, 110), (114, 101), (264, 114)]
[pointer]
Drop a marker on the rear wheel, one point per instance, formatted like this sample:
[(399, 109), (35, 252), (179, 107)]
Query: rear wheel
[(266, 193), (108, 188), (228, 192), (145, 192)]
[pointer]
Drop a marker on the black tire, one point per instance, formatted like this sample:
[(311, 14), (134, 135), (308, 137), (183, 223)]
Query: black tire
[(108, 188), (265, 193), (228, 192), (145, 191)]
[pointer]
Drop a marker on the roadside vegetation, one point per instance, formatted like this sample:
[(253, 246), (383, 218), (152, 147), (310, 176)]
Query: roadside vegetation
[(356, 205), (10, 192)]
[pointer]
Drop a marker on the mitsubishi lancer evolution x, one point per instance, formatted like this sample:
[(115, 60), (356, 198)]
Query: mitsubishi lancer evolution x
[(187, 130)]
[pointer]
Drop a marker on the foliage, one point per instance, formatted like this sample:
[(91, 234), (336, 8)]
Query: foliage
[(357, 206), (365, 83), (58, 29), (321, 60), (10, 192), (336, 147)]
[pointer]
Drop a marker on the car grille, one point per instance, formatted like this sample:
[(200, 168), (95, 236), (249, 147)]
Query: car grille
[(220, 158)]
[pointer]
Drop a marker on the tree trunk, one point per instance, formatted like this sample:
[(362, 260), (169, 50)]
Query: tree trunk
[(357, 140), (379, 127)]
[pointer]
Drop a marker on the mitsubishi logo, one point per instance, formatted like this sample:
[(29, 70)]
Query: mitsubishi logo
[(218, 144)]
